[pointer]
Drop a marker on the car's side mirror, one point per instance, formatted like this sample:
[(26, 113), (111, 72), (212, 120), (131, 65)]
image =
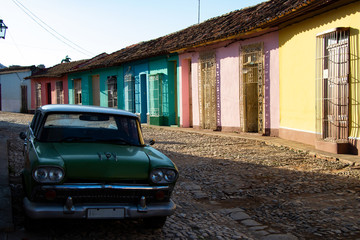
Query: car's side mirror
[(152, 142), (22, 135)]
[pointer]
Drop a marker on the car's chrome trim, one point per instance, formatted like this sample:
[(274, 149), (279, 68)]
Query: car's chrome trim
[(57, 210), (103, 186)]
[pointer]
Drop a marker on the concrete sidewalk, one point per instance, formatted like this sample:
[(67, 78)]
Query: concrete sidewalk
[(6, 223), (353, 160)]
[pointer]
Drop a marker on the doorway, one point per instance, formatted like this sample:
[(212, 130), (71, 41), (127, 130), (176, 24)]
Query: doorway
[(190, 95), (96, 90), (207, 91), (48, 93), (143, 97), (24, 107), (252, 93)]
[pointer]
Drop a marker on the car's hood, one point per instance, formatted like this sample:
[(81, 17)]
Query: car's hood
[(108, 162)]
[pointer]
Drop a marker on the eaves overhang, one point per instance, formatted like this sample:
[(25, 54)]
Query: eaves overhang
[(308, 9), (236, 37)]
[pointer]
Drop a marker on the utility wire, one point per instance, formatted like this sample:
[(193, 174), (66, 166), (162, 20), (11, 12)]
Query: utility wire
[(16, 45), (37, 19)]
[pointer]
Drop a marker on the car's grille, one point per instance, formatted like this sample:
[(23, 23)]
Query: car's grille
[(99, 195)]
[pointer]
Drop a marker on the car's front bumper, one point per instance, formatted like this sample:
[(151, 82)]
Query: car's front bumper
[(57, 210)]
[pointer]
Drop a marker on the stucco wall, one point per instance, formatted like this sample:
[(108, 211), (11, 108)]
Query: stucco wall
[(297, 70), (228, 72), (86, 88), (11, 91)]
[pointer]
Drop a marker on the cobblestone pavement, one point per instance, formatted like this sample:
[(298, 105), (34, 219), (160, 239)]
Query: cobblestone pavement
[(229, 188)]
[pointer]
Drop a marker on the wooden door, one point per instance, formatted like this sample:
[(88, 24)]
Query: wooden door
[(96, 90)]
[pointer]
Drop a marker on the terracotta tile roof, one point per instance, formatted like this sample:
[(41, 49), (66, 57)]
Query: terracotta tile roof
[(13, 69), (264, 15), (56, 71)]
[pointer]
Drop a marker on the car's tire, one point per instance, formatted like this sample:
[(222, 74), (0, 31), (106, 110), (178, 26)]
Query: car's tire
[(154, 222), (32, 225)]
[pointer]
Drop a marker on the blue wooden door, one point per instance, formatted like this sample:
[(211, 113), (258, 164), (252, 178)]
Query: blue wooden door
[(143, 98)]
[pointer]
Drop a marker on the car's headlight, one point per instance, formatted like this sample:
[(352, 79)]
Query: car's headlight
[(48, 174), (163, 175)]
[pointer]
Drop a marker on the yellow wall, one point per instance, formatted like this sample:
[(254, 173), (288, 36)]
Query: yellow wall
[(297, 66)]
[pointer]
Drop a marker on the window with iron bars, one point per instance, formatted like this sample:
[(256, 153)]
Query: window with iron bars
[(155, 95), (59, 92), (38, 94), (112, 91), (77, 91), (332, 85), (129, 82)]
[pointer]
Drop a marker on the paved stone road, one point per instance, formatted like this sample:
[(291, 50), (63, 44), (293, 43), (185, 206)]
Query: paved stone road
[(229, 188)]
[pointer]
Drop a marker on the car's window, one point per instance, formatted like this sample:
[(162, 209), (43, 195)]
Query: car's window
[(80, 120), (90, 127), (35, 122)]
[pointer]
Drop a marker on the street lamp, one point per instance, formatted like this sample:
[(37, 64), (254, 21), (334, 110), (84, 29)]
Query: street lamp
[(3, 28)]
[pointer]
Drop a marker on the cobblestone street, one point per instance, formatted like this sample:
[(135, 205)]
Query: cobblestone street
[(229, 188)]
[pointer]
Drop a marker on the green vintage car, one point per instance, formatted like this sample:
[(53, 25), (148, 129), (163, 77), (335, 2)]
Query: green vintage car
[(87, 162)]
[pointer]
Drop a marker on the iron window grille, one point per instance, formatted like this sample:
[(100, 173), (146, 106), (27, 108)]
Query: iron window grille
[(129, 81), (155, 95), (208, 91), (252, 88), (59, 92), (38, 94), (112, 91), (77, 91), (332, 85)]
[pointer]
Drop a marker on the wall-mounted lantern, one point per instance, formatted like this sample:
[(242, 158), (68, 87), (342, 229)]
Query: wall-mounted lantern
[(3, 28)]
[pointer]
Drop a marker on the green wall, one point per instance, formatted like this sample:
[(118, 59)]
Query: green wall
[(168, 66), (86, 85)]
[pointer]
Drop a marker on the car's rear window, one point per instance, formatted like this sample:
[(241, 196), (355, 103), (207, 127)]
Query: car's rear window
[(81, 120), (90, 127)]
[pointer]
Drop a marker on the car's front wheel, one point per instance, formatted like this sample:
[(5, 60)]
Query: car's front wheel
[(32, 225), (154, 222)]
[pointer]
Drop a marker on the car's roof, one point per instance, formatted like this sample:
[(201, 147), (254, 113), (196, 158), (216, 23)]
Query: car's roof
[(83, 109)]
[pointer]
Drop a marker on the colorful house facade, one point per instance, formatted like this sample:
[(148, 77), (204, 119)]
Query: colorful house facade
[(319, 78), (163, 91), (287, 69), (15, 95), (145, 84), (50, 85), (98, 87), (232, 86)]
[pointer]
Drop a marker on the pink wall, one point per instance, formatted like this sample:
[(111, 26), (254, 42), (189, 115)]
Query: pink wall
[(271, 72), (228, 74), (185, 94), (227, 61), (44, 82)]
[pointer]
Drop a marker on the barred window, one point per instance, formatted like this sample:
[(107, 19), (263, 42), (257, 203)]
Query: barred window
[(77, 91), (112, 91), (332, 85), (155, 95), (38, 94), (129, 80), (59, 92)]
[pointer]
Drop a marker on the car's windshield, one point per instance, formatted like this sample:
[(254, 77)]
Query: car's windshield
[(90, 127)]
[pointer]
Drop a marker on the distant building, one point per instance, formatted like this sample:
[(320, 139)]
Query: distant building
[(50, 85), (15, 95)]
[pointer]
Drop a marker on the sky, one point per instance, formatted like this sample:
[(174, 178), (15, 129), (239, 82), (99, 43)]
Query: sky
[(46, 31)]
